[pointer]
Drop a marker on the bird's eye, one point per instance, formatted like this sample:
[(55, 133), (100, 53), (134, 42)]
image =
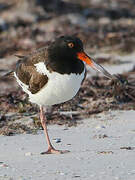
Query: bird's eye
[(71, 45)]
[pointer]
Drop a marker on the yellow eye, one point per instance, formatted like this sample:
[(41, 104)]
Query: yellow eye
[(71, 45)]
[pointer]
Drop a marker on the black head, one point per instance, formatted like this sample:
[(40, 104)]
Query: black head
[(66, 55), (65, 47)]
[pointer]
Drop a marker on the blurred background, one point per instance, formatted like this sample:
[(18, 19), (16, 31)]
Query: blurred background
[(101, 24), (107, 28)]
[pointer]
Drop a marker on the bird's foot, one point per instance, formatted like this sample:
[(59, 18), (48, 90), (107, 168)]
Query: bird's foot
[(54, 151)]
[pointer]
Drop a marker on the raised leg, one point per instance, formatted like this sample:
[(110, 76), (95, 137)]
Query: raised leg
[(51, 149)]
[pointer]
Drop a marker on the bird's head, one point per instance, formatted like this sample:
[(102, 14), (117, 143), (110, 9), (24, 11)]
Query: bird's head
[(70, 48)]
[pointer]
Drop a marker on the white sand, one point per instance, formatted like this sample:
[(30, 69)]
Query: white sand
[(21, 157)]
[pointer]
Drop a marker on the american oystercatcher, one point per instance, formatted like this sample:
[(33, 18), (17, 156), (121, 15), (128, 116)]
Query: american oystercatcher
[(54, 74)]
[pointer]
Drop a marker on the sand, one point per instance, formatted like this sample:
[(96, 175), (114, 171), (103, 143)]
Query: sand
[(101, 148)]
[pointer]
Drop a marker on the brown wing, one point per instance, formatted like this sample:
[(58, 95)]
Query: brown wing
[(27, 73)]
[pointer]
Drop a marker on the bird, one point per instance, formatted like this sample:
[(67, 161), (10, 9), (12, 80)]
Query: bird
[(53, 74)]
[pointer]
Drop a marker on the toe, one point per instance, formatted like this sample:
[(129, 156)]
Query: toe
[(54, 151)]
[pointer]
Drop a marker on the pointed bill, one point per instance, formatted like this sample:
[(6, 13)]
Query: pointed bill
[(84, 57)]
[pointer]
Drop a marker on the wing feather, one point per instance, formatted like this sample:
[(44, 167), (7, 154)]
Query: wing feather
[(27, 73)]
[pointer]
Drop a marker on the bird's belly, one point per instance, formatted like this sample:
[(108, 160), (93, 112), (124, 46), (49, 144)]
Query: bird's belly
[(59, 89)]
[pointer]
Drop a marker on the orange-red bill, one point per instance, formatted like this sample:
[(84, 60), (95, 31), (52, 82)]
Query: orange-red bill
[(84, 57)]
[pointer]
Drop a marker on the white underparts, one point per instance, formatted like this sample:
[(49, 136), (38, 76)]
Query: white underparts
[(59, 88)]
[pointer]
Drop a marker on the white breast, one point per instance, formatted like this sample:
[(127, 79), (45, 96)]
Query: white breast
[(60, 88)]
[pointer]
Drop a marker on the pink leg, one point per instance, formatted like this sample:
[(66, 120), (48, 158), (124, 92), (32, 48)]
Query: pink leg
[(51, 149)]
